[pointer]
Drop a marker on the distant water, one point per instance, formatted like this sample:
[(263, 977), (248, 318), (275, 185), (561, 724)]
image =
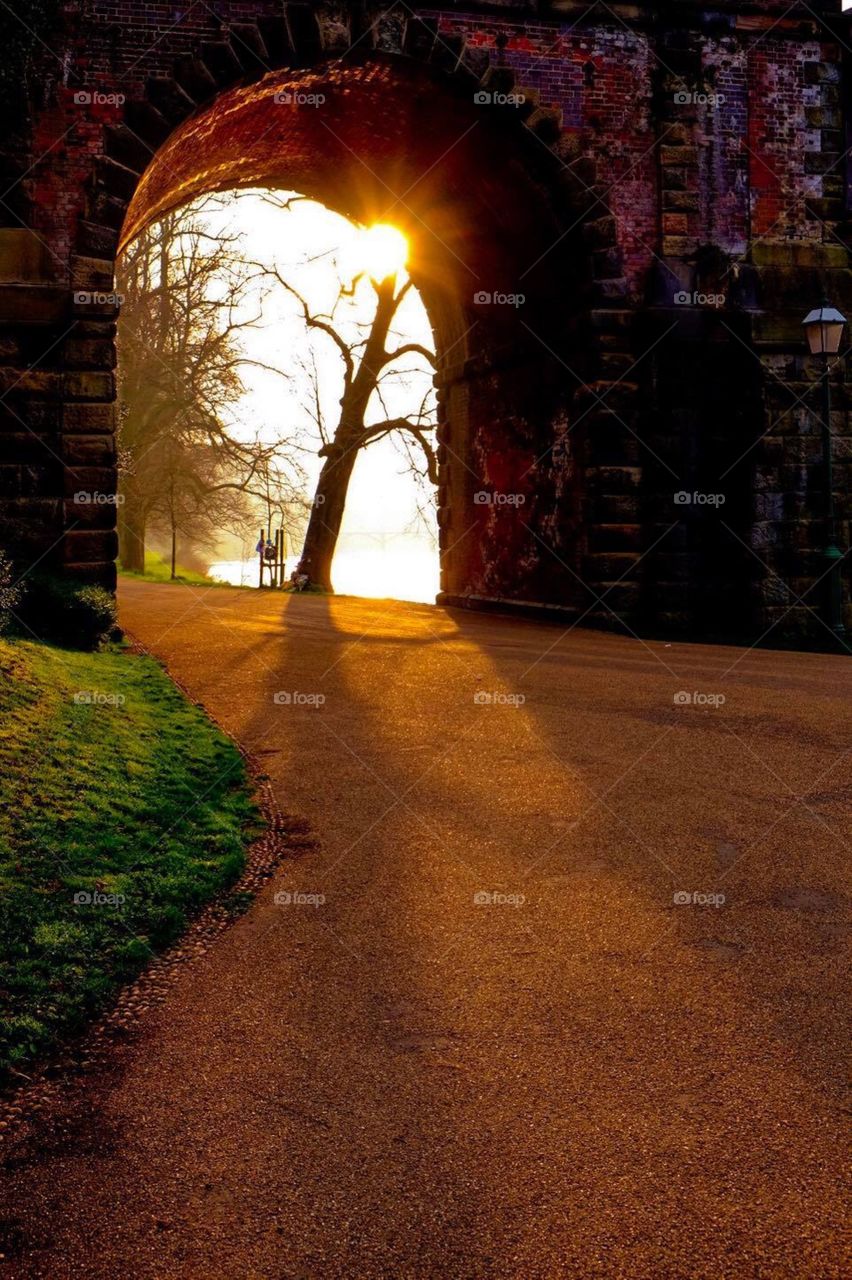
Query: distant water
[(405, 569)]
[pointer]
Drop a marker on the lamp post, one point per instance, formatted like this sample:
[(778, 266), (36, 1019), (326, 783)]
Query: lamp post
[(824, 330)]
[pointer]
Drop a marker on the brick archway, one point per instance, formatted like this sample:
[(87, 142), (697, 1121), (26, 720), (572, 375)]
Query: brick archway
[(491, 211), (634, 164), (473, 186)]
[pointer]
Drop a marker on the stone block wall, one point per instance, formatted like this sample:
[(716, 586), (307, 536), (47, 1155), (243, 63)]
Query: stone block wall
[(692, 183)]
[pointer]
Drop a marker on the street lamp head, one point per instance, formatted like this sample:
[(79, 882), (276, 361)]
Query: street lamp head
[(824, 329)]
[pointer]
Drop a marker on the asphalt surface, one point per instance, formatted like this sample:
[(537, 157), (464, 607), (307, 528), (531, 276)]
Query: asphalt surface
[(579, 1076)]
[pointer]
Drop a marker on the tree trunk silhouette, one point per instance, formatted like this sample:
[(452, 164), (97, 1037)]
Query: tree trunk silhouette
[(131, 538), (327, 516)]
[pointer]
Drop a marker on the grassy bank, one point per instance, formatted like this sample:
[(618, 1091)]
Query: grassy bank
[(157, 569), (122, 809)]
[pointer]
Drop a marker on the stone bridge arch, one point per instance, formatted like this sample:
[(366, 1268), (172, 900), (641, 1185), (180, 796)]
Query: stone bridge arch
[(641, 159), (496, 205)]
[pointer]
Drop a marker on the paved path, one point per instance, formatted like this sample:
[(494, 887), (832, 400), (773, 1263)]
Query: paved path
[(579, 1078)]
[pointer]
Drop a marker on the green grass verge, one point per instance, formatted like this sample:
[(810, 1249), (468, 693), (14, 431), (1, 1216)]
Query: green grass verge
[(134, 795), (159, 570)]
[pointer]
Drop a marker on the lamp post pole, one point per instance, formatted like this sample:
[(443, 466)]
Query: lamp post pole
[(833, 555), (824, 330)]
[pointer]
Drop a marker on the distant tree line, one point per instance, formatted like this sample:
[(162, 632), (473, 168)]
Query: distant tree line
[(185, 472)]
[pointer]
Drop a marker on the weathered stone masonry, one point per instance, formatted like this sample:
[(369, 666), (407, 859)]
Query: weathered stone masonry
[(665, 183)]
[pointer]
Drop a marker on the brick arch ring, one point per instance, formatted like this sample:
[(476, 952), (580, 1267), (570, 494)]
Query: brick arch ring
[(505, 226)]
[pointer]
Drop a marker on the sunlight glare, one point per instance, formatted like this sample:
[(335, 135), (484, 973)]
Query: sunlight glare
[(382, 251), (395, 567)]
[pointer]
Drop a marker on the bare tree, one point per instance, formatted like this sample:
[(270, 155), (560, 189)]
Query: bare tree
[(196, 501), (368, 362), (190, 299)]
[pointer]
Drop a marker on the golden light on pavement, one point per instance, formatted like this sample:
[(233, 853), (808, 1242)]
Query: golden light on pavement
[(381, 251)]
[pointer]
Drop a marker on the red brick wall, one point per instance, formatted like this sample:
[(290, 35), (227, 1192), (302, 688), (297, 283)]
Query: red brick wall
[(752, 159), (759, 150), (759, 147), (602, 81)]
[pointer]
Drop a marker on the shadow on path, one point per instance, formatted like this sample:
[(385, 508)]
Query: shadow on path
[(480, 1039)]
